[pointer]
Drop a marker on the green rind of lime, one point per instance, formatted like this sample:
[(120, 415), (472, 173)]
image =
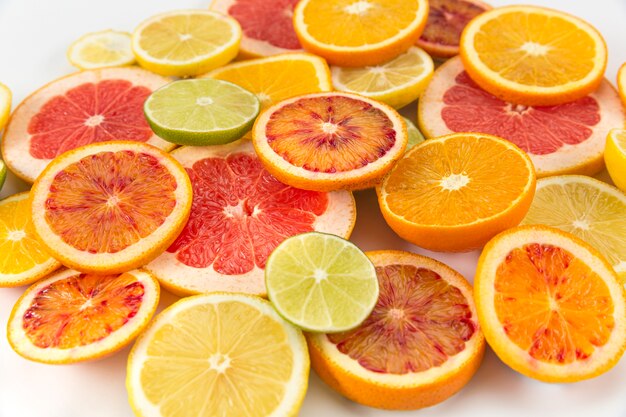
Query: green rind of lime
[(3, 173), (415, 136)]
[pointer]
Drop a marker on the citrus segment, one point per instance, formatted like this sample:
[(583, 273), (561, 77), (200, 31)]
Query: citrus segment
[(72, 317), (5, 105), (108, 48), (615, 157), (532, 55), (259, 367), (621, 82)]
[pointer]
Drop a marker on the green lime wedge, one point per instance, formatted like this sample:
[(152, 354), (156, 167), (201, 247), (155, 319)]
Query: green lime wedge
[(3, 173), (201, 112), (415, 136), (321, 282)]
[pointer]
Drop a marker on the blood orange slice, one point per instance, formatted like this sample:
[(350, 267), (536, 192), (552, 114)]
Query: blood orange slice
[(73, 317), (110, 207), (566, 138), (82, 108), (421, 344), (240, 213), (267, 25)]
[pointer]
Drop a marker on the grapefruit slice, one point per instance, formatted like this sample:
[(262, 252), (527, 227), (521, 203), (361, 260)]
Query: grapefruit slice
[(74, 317), (329, 141), (110, 207), (421, 344), (267, 25), (82, 108), (240, 213), (566, 138)]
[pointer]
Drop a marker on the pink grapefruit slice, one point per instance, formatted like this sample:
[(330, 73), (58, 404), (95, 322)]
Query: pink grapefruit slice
[(561, 139), (76, 110), (240, 213)]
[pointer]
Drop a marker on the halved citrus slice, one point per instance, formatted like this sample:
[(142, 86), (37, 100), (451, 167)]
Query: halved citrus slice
[(615, 157), (532, 55), (421, 344), (3, 173), (227, 354), (414, 134), (590, 209), (479, 184), (397, 82), (110, 207), (74, 317), (446, 21), (240, 213), (82, 108), (560, 139), (186, 42), (23, 259), (341, 30), (621, 82), (5, 105), (550, 305), (107, 48), (329, 141), (267, 25)]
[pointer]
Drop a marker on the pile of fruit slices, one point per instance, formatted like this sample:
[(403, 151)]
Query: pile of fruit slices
[(248, 220)]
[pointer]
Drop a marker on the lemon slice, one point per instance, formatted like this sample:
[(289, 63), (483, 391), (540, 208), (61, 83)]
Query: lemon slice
[(615, 157), (108, 48), (5, 105)]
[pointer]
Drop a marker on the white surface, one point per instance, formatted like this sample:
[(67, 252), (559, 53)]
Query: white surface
[(34, 35)]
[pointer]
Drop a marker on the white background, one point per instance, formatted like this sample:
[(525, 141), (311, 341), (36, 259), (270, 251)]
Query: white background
[(34, 35)]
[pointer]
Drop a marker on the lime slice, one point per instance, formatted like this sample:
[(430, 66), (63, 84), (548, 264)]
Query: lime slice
[(321, 282), (201, 112), (3, 173), (415, 136)]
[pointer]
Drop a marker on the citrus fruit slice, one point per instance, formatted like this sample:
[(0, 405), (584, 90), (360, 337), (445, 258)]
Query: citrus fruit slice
[(73, 317), (621, 82), (321, 282), (5, 105), (110, 207), (240, 213), (341, 30), (23, 259), (397, 82), (199, 358), (186, 42), (82, 108), (532, 55), (414, 134), (201, 112), (590, 209), (267, 25), (446, 21), (3, 173), (480, 185), (329, 141), (550, 305), (615, 157), (421, 344), (560, 139), (108, 48)]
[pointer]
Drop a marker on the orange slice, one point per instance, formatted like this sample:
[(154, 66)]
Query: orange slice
[(456, 192), (550, 305), (621, 82), (421, 344), (533, 56), (329, 141), (73, 317), (341, 30), (110, 207)]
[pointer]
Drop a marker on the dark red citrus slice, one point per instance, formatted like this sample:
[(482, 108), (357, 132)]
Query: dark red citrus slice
[(240, 213), (83, 108), (561, 139)]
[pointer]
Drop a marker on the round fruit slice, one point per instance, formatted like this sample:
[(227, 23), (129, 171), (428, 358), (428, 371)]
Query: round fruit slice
[(446, 21), (23, 259), (621, 82), (479, 184), (397, 82), (421, 344), (615, 157), (533, 56), (201, 112), (267, 25), (186, 42), (3, 173), (329, 141), (82, 108), (550, 305), (321, 282), (340, 30), (108, 48), (218, 353), (110, 207), (240, 213), (560, 139), (414, 134), (5, 105), (590, 209), (74, 317)]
